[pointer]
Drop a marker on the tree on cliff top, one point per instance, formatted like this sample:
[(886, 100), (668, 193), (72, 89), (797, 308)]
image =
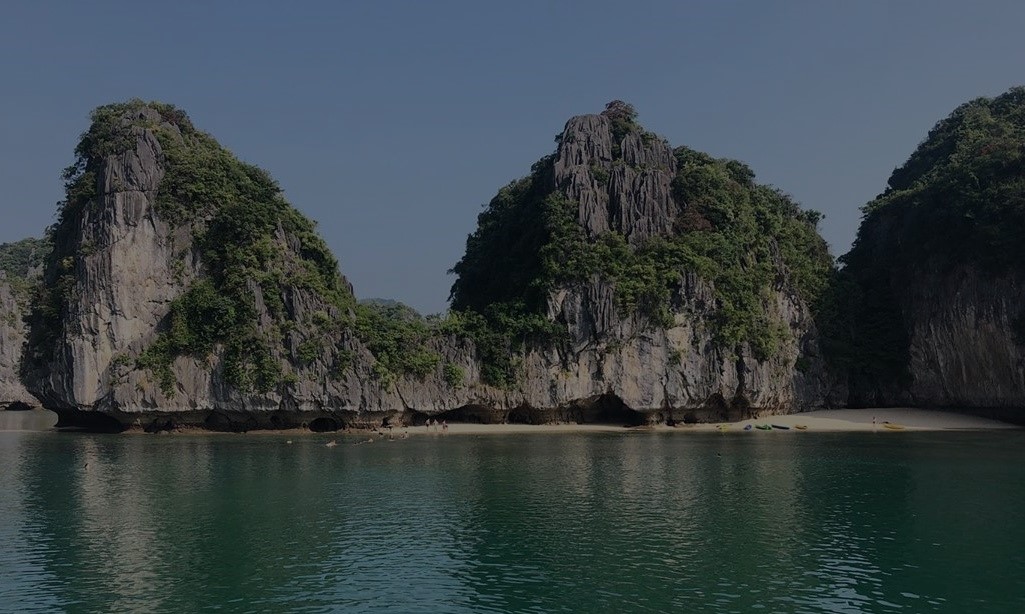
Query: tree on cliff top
[(617, 110), (960, 197)]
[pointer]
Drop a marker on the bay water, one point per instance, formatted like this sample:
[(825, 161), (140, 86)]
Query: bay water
[(637, 521)]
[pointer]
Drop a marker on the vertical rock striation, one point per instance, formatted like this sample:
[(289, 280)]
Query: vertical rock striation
[(621, 280), (619, 182), (631, 194), (931, 295), (963, 351), (183, 290), (119, 265), (120, 257)]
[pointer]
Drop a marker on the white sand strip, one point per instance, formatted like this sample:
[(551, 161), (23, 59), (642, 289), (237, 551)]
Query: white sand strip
[(822, 420)]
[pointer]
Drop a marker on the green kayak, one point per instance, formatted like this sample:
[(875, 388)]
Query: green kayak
[(764, 427)]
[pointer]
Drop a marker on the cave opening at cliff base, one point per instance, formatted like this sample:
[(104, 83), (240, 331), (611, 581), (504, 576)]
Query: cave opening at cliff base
[(324, 424)]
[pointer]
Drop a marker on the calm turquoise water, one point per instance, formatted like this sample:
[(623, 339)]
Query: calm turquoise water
[(638, 522)]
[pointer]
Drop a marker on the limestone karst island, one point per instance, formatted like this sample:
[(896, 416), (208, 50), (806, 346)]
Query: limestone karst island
[(525, 307), (622, 280)]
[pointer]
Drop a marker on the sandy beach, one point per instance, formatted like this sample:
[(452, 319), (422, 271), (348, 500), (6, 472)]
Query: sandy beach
[(862, 420), (831, 420), (834, 420)]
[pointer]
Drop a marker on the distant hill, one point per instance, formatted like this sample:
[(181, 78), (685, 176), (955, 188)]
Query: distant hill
[(24, 259)]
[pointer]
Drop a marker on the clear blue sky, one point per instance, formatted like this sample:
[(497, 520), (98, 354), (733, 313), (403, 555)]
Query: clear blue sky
[(391, 123)]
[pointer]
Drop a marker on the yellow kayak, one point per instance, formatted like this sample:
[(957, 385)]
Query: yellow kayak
[(893, 427), (801, 427)]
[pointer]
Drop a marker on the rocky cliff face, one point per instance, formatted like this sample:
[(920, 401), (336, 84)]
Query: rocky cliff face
[(118, 266), (934, 285), (631, 194), (151, 324), (117, 256), (666, 374), (122, 275), (623, 280), (672, 372), (619, 181), (963, 352), (13, 394), (958, 348)]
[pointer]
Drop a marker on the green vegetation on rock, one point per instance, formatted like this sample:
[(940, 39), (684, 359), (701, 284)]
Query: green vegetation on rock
[(22, 263), (254, 249), (398, 337), (960, 197), (500, 290), (743, 237), (453, 375), (959, 201), (262, 300), (499, 334), (732, 232), (23, 259), (242, 226)]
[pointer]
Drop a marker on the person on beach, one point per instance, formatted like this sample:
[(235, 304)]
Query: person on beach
[(444, 425)]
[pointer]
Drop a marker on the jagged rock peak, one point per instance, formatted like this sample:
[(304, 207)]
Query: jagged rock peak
[(183, 289), (644, 270), (179, 276), (619, 175), (121, 146)]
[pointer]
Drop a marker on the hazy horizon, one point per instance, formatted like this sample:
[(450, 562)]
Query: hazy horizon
[(391, 124)]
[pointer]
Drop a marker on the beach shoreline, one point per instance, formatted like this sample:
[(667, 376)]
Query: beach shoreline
[(831, 421), (834, 421), (826, 420)]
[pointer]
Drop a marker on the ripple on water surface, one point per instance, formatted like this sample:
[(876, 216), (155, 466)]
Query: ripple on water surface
[(640, 522)]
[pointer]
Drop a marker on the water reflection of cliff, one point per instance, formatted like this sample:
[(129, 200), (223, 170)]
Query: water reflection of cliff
[(27, 420), (665, 522), (130, 523), (629, 521), (136, 522)]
